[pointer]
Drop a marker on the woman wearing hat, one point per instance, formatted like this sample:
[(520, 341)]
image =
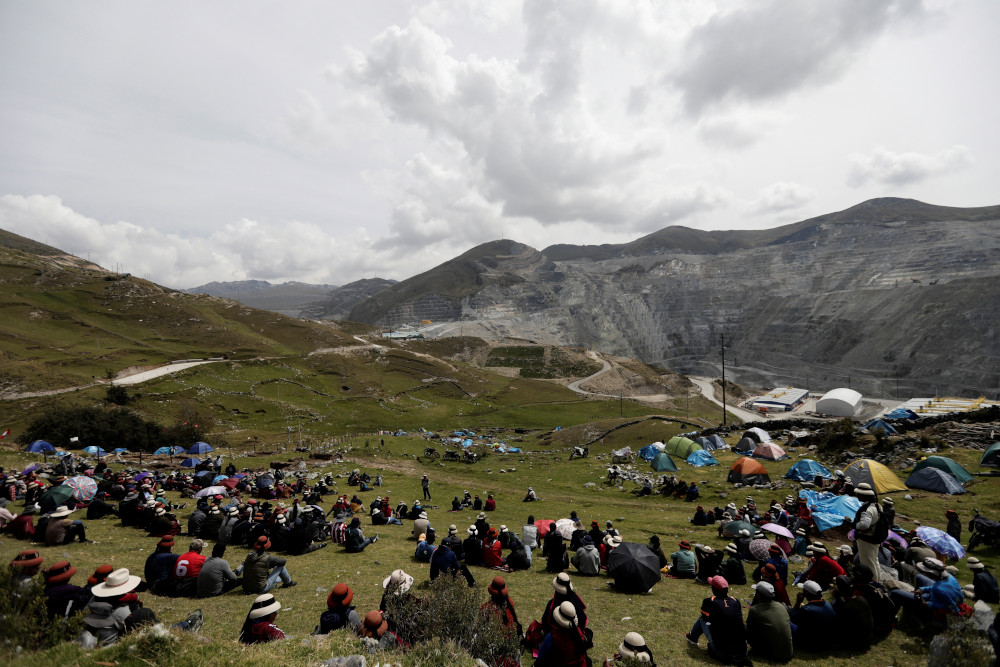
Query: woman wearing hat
[(732, 569), (501, 605), (25, 566), (472, 547), (259, 627), (375, 630), (492, 550), (984, 584), (563, 591), (424, 550), (61, 597), (566, 643), (61, 530), (339, 612), (633, 649)]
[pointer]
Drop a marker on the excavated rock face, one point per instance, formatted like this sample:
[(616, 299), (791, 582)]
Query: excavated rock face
[(888, 289)]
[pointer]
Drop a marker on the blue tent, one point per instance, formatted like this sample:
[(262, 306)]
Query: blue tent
[(649, 452), (179, 450), (190, 463), (119, 450), (934, 479), (902, 413), (880, 424), (829, 510), (163, 451), (40, 446), (95, 450), (199, 448), (806, 471), (701, 458), (219, 478)]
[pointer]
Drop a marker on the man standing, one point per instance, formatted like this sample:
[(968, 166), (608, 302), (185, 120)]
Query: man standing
[(868, 531), (425, 484)]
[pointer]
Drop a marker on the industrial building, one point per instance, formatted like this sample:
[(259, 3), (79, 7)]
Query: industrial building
[(839, 402), (782, 399), (926, 407)]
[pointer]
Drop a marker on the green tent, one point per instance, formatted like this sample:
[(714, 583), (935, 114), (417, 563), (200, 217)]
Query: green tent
[(947, 465), (681, 447), (991, 457), (663, 463)]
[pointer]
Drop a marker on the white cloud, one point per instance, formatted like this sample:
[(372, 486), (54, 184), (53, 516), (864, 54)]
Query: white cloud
[(884, 167), (770, 48), (738, 129), (781, 197)]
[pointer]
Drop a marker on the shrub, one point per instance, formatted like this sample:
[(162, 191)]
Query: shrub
[(25, 618), (962, 645)]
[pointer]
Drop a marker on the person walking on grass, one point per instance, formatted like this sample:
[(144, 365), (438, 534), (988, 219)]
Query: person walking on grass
[(425, 484)]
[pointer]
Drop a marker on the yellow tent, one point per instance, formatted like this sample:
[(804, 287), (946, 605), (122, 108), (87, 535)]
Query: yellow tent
[(880, 477)]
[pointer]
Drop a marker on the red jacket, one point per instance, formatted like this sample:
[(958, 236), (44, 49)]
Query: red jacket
[(188, 565), (491, 554), (490, 505), (824, 571)]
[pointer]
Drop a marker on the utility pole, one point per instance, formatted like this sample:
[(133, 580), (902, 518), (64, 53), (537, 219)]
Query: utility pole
[(723, 379), (621, 404)]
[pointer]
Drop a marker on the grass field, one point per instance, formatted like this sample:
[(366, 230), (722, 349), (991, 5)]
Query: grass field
[(662, 616)]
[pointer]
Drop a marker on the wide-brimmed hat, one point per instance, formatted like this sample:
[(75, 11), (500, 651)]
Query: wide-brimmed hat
[(99, 615), (118, 583), (845, 549), (374, 625), (498, 587), (340, 595), (61, 511), (482, 515), (819, 548), (423, 515), (801, 532), (731, 548), (969, 591), (864, 489), (562, 584), (401, 579), (100, 574), (764, 589), (453, 529), (473, 531), (233, 510), (58, 573), (564, 614), (718, 583), (931, 566), (684, 544), (492, 533), (888, 501), (634, 647), (975, 564), (264, 605), (744, 532), (262, 543), (27, 558)]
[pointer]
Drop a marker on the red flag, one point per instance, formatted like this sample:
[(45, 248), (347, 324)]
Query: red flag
[(4, 434)]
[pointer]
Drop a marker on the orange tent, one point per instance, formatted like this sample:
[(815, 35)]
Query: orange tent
[(748, 471)]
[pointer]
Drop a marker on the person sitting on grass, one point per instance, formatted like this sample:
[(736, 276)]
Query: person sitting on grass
[(502, 606), (424, 550), (633, 651), (709, 561), (356, 540), (118, 590), (855, 624), (566, 643), (216, 576), (721, 621), (683, 562), (732, 568), (700, 518), (24, 568), (587, 558), (769, 630), (61, 530), (339, 612), (531, 496), (259, 627), (62, 598), (813, 623), (262, 571)]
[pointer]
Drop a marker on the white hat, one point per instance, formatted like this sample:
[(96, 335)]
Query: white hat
[(562, 583), (118, 583), (744, 532), (423, 515), (160, 511), (864, 489), (811, 587), (399, 578), (634, 647), (765, 589), (61, 511), (731, 548), (931, 566), (264, 605), (974, 563), (482, 515), (473, 530), (565, 614)]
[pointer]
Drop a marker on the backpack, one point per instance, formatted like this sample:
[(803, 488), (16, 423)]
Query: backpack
[(880, 529)]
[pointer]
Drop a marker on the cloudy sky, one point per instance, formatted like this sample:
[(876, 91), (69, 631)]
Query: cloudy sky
[(328, 141)]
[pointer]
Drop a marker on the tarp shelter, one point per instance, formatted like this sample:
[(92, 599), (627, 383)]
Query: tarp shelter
[(163, 451), (701, 458), (40, 447), (881, 478), (758, 434), (748, 471), (806, 471), (934, 479), (902, 413), (663, 463), (828, 509), (991, 457), (769, 451), (680, 446), (745, 445), (649, 452), (876, 424), (944, 463)]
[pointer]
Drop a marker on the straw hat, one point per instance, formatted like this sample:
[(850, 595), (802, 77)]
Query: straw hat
[(975, 564), (731, 548), (473, 531), (400, 579), (264, 605), (864, 489), (373, 625), (61, 511), (562, 584), (340, 595), (118, 583), (565, 614), (634, 647)]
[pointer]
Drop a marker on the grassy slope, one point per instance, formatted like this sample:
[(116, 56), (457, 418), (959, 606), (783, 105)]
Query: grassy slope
[(661, 616)]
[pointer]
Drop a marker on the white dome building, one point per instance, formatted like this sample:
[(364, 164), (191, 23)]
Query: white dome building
[(840, 402)]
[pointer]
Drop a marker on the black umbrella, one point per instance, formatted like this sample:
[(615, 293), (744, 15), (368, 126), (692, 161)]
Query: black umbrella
[(204, 478), (634, 567)]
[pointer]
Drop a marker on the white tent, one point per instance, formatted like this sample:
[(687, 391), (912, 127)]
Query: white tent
[(840, 402), (761, 433)]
